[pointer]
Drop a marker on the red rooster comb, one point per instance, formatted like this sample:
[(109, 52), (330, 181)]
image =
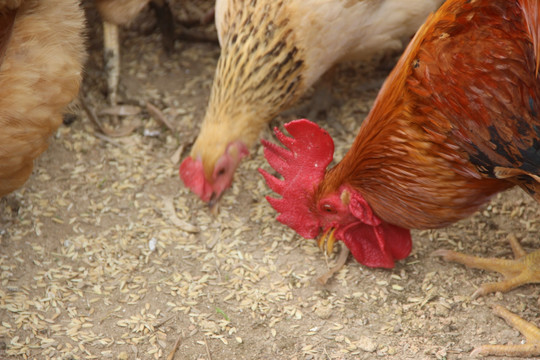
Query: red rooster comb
[(310, 150)]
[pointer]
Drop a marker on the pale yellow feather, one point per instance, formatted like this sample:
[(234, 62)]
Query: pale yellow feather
[(273, 51)]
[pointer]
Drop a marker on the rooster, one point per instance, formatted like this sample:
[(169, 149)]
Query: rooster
[(272, 52), (42, 52), (456, 122)]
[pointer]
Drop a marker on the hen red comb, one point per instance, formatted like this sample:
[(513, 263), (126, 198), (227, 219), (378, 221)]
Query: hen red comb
[(310, 150)]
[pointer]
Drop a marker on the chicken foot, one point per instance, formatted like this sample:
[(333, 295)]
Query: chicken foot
[(529, 330), (111, 40), (524, 269)]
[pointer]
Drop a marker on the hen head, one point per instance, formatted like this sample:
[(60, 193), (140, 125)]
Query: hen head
[(209, 177), (344, 213)]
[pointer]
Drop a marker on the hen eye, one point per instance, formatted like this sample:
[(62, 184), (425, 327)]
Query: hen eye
[(221, 172), (329, 209)]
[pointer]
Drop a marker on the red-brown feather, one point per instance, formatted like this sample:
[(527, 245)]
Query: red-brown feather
[(462, 101)]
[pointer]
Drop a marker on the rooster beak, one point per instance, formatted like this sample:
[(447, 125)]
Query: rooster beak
[(329, 239)]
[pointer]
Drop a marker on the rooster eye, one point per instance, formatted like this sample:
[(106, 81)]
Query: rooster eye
[(329, 209), (221, 172)]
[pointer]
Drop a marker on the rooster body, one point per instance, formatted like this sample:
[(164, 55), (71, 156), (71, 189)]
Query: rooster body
[(272, 53), (455, 123), (41, 57)]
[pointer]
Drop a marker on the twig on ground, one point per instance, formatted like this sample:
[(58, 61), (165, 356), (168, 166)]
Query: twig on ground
[(342, 259), (175, 347), (104, 129), (158, 115), (207, 349)]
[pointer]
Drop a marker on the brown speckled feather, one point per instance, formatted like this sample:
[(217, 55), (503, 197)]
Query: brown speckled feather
[(274, 51)]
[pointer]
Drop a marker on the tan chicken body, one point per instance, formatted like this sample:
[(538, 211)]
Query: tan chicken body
[(41, 58), (272, 53)]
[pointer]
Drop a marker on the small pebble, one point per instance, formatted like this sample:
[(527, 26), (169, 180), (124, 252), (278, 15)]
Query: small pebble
[(366, 344), (152, 244)]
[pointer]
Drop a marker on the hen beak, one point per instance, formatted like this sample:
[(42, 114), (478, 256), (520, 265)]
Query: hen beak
[(213, 202), (328, 239)]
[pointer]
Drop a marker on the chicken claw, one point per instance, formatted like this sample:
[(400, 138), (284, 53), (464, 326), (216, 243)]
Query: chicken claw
[(524, 269), (529, 330)]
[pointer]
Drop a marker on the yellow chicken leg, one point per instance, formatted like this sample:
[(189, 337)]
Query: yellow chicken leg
[(529, 330), (112, 59), (111, 45), (524, 269)]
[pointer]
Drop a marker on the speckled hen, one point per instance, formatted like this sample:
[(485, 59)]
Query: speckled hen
[(272, 52)]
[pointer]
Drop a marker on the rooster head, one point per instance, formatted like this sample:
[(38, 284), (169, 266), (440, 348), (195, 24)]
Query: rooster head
[(341, 214), (209, 178)]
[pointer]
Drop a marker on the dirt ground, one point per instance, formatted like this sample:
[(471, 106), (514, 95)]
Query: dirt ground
[(94, 264)]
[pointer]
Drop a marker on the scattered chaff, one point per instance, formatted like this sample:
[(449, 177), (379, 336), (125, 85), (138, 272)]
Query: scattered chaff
[(163, 322)]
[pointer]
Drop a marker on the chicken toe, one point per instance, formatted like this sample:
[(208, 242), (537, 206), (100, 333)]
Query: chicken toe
[(530, 331), (524, 269)]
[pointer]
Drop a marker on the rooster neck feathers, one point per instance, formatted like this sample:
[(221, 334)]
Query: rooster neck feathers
[(444, 121)]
